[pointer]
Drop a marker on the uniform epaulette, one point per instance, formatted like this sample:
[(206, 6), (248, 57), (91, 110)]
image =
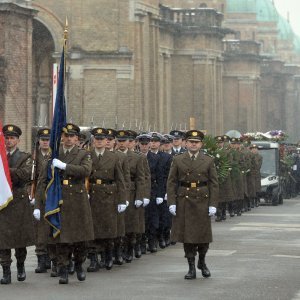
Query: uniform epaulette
[(205, 153)]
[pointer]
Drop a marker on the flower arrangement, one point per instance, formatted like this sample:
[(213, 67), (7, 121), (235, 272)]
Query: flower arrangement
[(222, 163), (273, 135)]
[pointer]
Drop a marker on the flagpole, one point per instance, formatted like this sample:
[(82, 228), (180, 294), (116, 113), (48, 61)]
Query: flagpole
[(65, 45)]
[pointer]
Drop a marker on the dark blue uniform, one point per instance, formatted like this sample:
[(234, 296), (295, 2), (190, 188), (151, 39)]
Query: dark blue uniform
[(165, 218), (157, 190)]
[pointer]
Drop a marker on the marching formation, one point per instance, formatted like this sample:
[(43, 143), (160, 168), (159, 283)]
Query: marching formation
[(123, 194)]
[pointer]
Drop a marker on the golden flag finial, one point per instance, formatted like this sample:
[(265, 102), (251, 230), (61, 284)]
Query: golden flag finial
[(66, 31)]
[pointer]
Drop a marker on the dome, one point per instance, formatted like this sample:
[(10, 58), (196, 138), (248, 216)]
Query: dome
[(264, 9), (285, 31), (297, 43)]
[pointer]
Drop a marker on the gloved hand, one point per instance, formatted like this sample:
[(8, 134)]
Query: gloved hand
[(59, 164), (146, 202), (127, 203), (138, 203), (121, 207), (172, 209), (32, 201), (37, 214), (159, 200), (166, 197), (211, 211)]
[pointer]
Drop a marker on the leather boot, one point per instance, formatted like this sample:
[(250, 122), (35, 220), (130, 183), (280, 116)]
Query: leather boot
[(202, 266), (137, 250), (79, 271), (168, 239), (152, 246), (118, 256), (6, 275), (94, 266), (143, 247), (47, 262), (162, 243), (223, 217), (108, 259), (41, 268), (63, 274), (71, 267), (21, 275), (191, 274), (102, 260), (218, 215), (54, 269), (129, 254)]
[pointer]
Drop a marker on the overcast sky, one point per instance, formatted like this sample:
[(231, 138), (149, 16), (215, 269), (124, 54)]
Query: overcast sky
[(293, 7)]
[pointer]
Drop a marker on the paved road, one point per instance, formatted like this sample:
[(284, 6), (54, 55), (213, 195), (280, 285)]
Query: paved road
[(255, 256)]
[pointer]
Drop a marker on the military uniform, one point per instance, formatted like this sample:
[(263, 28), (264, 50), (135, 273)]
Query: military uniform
[(193, 188), (225, 188), (107, 191), (41, 226), (132, 216), (75, 211), (16, 221)]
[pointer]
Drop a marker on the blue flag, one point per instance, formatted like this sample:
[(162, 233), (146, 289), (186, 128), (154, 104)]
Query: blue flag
[(53, 190)]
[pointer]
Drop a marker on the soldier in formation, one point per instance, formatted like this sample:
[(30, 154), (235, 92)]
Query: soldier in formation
[(133, 191)]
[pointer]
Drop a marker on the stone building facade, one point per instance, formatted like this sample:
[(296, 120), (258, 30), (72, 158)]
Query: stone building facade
[(151, 64)]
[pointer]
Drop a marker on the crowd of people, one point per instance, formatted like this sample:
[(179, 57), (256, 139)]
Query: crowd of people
[(123, 194)]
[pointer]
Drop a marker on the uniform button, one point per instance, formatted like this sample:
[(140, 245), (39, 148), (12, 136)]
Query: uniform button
[(187, 189), (71, 194), (71, 185), (198, 190), (186, 197)]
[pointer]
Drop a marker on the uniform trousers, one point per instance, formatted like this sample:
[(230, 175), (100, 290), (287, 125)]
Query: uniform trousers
[(5, 256), (191, 250), (64, 253)]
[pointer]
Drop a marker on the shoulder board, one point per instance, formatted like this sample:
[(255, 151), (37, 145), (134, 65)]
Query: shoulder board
[(205, 153)]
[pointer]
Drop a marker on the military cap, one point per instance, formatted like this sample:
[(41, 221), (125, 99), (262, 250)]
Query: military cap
[(219, 138), (194, 135), (253, 146), (177, 134), (132, 134), (71, 129), (44, 133), (144, 138), (235, 140), (82, 137), (156, 136), (12, 130), (111, 133), (99, 132), (169, 138), (122, 135), (226, 138)]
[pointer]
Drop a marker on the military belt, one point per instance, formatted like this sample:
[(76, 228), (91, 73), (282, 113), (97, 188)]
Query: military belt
[(102, 181), (192, 184), (69, 182)]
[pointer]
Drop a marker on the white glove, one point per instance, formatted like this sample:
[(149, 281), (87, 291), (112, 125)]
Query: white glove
[(127, 203), (121, 207), (138, 203), (211, 211), (37, 214), (172, 209), (59, 164), (146, 202), (166, 197), (159, 200), (32, 201)]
